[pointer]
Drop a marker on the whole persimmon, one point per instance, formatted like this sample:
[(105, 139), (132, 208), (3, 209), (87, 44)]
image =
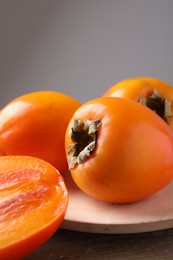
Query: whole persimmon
[(33, 203), (154, 93), (118, 150), (34, 124)]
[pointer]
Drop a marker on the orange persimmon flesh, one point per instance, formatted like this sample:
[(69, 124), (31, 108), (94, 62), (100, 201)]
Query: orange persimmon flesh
[(33, 203)]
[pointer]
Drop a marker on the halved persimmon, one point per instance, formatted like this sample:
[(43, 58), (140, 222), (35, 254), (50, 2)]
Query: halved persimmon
[(33, 203), (34, 124)]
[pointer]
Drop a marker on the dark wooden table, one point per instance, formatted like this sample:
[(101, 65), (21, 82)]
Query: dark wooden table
[(77, 245)]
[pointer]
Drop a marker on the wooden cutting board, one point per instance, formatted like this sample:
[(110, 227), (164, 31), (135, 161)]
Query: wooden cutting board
[(89, 215)]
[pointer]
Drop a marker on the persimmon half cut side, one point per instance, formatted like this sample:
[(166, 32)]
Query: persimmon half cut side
[(119, 151), (154, 93), (33, 203)]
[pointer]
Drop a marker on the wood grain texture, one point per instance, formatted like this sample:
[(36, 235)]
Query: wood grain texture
[(71, 245), (89, 215)]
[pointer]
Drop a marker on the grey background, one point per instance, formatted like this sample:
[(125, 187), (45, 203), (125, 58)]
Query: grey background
[(82, 47)]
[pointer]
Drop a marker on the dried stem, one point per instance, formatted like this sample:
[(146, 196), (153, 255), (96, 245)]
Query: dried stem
[(160, 105), (84, 135)]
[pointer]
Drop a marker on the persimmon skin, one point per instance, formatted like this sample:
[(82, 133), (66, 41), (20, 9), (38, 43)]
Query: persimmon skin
[(33, 203), (135, 88), (133, 157), (34, 124)]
